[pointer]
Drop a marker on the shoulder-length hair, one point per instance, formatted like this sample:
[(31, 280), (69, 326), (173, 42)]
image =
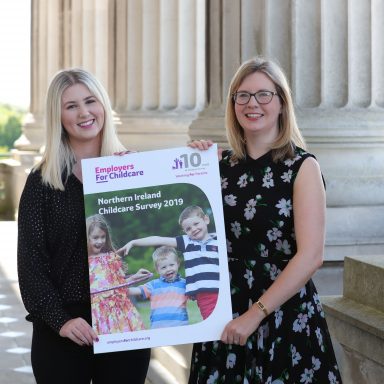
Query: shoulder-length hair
[(58, 157), (98, 221), (289, 135)]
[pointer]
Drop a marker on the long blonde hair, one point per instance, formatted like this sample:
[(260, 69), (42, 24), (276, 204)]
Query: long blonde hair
[(289, 135), (58, 157)]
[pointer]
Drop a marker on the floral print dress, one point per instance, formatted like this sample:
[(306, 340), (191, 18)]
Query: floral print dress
[(292, 345), (112, 309)]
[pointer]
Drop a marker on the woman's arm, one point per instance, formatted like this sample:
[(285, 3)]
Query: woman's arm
[(39, 293), (40, 296), (309, 215)]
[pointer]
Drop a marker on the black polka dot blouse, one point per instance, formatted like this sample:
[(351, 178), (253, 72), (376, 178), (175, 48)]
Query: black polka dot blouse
[(52, 252)]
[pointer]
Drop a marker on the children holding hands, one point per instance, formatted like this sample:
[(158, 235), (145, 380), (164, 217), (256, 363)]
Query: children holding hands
[(200, 252)]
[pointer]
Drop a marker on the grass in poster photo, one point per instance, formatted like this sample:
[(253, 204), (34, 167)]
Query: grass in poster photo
[(149, 212)]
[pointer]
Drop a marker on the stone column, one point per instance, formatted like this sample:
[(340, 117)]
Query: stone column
[(66, 34), (46, 58), (160, 78), (333, 56)]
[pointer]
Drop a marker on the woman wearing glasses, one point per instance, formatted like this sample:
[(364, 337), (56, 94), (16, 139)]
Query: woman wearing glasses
[(274, 209)]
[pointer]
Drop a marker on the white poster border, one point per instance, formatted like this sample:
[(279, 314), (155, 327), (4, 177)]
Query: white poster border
[(157, 168)]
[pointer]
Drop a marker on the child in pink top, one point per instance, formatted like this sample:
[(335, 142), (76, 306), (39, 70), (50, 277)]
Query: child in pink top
[(112, 309)]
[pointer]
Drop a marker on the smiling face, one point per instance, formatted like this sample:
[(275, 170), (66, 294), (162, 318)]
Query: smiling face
[(97, 239), (168, 267), (82, 115), (196, 227), (258, 119)]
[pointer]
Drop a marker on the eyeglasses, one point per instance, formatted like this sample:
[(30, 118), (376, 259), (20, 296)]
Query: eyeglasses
[(262, 97)]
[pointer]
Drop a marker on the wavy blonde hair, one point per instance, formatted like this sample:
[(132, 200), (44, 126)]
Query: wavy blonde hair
[(58, 157), (289, 135)]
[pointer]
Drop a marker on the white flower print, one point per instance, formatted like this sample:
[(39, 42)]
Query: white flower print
[(262, 333), (269, 380), (263, 250), (243, 181), (236, 229), (319, 307), (271, 351), (268, 179), (303, 292), (283, 246), (287, 176), (229, 246), (290, 162), (320, 338), (250, 210), (231, 360), (230, 200), (315, 363), (277, 381), (232, 163), (213, 378), (300, 323), (273, 271), (224, 183), (332, 378), (278, 317), (285, 207), (296, 357), (307, 376), (274, 234), (310, 309), (249, 277), (259, 372)]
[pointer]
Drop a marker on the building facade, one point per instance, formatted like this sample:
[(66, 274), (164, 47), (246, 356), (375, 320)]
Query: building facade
[(167, 64)]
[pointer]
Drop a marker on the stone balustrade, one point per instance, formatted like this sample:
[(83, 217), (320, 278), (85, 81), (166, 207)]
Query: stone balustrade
[(356, 319)]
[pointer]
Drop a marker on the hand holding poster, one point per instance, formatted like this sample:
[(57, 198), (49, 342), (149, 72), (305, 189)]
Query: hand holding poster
[(157, 249)]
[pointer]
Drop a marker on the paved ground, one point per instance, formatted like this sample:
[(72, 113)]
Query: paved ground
[(15, 331)]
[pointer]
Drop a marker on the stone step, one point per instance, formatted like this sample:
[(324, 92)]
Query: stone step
[(170, 365), (364, 280)]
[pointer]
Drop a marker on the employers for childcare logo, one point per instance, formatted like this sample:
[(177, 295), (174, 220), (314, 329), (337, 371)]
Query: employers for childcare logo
[(112, 172)]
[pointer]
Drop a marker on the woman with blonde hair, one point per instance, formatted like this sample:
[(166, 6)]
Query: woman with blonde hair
[(274, 213), (52, 243)]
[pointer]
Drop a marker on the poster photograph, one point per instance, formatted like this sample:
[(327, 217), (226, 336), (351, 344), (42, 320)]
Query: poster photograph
[(156, 248)]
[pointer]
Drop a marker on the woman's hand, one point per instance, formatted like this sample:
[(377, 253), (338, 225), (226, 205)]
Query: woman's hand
[(203, 145), (238, 330), (79, 331), (122, 153)]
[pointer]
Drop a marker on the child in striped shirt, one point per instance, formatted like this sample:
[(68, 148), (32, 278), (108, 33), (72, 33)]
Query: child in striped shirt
[(201, 256), (167, 293)]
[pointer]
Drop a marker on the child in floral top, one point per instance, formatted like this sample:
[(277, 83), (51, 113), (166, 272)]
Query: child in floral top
[(112, 309)]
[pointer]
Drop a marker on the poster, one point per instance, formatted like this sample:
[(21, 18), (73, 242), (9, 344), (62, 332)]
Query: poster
[(156, 248)]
